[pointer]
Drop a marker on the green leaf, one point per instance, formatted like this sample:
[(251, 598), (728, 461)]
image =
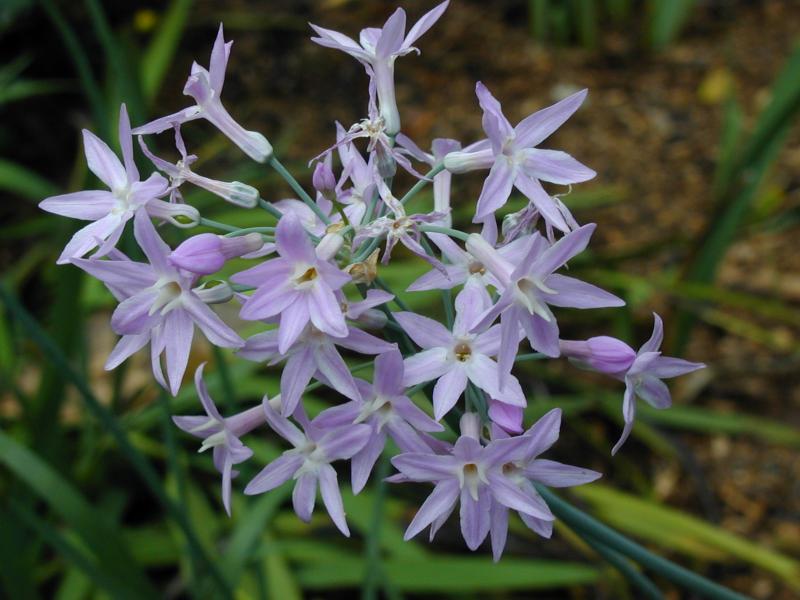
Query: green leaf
[(161, 51), (20, 180), (100, 536), (453, 574), (675, 530)]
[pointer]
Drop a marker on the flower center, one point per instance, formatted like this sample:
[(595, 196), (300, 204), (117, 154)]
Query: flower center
[(169, 297), (528, 294), (462, 351), (306, 277), (476, 268)]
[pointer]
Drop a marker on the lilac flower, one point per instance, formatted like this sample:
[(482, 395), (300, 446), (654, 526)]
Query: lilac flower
[(221, 434), (516, 162), (385, 407), (526, 469), (378, 50), (205, 87), (298, 286), (642, 371), (314, 354), (315, 447), (381, 146), (363, 176), (157, 305), (530, 287), (399, 228), (441, 181), (206, 253), (454, 358), (234, 192), (110, 210), (461, 266), (472, 475)]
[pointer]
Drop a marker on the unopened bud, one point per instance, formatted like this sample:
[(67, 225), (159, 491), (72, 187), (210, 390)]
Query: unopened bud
[(329, 245), (324, 180), (461, 161), (206, 253), (214, 292), (602, 353)]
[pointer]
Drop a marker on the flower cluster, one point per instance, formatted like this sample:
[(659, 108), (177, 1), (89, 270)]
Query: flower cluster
[(314, 284)]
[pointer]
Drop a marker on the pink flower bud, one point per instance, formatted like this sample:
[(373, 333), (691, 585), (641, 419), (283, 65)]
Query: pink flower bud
[(206, 253), (324, 180), (603, 353)]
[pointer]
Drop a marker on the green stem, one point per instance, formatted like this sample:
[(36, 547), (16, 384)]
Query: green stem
[(446, 230), (217, 225), (531, 356), (268, 231), (585, 525), (422, 182), (298, 189), (267, 206), (635, 577), (372, 549)]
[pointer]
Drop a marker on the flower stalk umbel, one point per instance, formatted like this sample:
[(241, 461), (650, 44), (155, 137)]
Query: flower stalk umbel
[(312, 283)]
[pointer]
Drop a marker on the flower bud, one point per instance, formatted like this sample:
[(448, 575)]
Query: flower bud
[(329, 245), (235, 192), (206, 253), (214, 292), (602, 353), (324, 180), (463, 161), (470, 425)]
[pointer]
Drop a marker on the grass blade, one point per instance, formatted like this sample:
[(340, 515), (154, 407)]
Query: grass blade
[(161, 50)]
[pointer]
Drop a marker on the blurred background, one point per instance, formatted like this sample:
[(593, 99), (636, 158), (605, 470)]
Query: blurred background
[(690, 126)]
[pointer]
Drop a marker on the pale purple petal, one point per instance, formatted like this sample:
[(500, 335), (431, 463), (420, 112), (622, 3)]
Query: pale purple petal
[(448, 390), (126, 143), (391, 34), (344, 443), (103, 162), (555, 166), (325, 311), (425, 332), (628, 414), (189, 113), (205, 397), (363, 342), (178, 331), (303, 496), (297, 372), (475, 521), (125, 347), (665, 367), (515, 498), (292, 240), (388, 379), (538, 126), (556, 474), (425, 366), (425, 466), (544, 433), (219, 61), (332, 498), (653, 391), (268, 301), (294, 318), (276, 473), (121, 274), (156, 250), (362, 463), (654, 343), (539, 526), (441, 501), (332, 366), (414, 415), (282, 426), (86, 239), (425, 22), (89, 205), (496, 189), (499, 529), (563, 250), (543, 202), (212, 326), (573, 293)]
